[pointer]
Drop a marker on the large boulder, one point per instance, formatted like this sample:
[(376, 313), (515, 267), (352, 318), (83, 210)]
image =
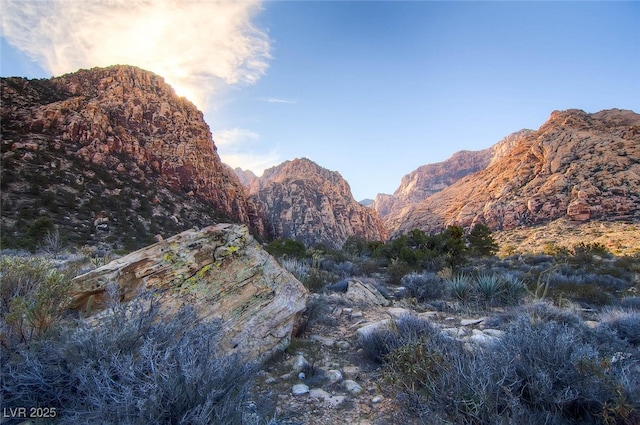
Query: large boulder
[(222, 272)]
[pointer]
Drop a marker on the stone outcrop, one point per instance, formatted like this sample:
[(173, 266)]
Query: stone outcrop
[(104, 132), (576, 165), (429, 179), (313, 205), (221, 271)]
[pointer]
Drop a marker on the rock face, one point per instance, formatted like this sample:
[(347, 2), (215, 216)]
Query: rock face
[(577, 165), (119, 133), (429, 179), (220, 270), (313, 205)]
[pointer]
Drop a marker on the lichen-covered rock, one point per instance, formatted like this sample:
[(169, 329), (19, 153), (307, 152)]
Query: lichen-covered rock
[(313, 205), (222, 272)]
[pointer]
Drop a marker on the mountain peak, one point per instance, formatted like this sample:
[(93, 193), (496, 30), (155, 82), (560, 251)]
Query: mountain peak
[(120, 127), (309, 203)]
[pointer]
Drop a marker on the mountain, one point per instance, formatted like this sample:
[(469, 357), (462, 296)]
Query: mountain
[(576, 165), (429, 179), (313, 205), (110, 155), (247, 178)]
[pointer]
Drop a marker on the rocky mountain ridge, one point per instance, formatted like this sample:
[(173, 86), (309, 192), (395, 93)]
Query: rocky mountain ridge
[(429, 179), (118, 143), (304, 201), (576, 165)]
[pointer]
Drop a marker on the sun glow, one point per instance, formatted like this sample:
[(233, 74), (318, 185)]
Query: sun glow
[(198, 47)]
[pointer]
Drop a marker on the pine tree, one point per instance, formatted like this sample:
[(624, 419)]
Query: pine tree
[(481, 242)]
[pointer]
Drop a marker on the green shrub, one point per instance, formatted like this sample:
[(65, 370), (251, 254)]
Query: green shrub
[(34, 297), (288, 247)]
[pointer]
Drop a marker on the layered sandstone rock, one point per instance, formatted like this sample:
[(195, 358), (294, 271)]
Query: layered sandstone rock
[(306, 202), (101, 132), (577, 165), (429, 179), (221, 271)]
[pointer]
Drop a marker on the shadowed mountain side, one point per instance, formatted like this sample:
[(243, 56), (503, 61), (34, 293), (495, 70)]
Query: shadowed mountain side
[(116, 148)]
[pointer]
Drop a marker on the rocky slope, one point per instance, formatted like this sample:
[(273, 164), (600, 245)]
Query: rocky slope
[(109, 154), (429, 179), (306, 202), (577, 165)]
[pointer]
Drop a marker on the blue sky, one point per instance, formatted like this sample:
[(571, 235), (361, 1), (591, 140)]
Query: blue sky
[(370, 89)]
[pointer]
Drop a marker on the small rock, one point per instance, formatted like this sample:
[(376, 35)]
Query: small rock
[(367, 330), (376, 399), (324, 340), (482, 339), (351, 371), (427, 314), (343, 345), (299, 363), (454, 332), (301, 376), (319, 394), (334, 376), (270, 381), (356, 315), (335, 400), (352, 387), (397, 312), (494, 332), (467, 322), (347, 310), (300, 389)]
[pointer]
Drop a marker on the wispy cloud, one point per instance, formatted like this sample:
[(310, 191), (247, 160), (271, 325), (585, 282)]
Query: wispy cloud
[(198, 46), (277, 100), (243, 148)]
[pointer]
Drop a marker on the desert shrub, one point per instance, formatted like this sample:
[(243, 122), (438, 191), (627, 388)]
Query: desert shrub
[(549, 367), (590, 294), (34, 297), (625, 323), (406, 330), (424, 286), (299, 268), (630, 302), (134, 365), (396, 271)]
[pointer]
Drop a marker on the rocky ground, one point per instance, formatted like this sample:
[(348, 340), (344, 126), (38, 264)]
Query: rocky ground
[(324, 377)]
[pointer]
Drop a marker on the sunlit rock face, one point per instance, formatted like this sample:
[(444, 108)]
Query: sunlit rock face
[(577, 165), (430, 179), (119, 132), (313, 205), (222, 272)]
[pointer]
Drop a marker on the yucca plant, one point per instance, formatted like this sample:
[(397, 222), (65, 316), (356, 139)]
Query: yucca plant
[(460, 286), (490, 286), (514, 288)]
